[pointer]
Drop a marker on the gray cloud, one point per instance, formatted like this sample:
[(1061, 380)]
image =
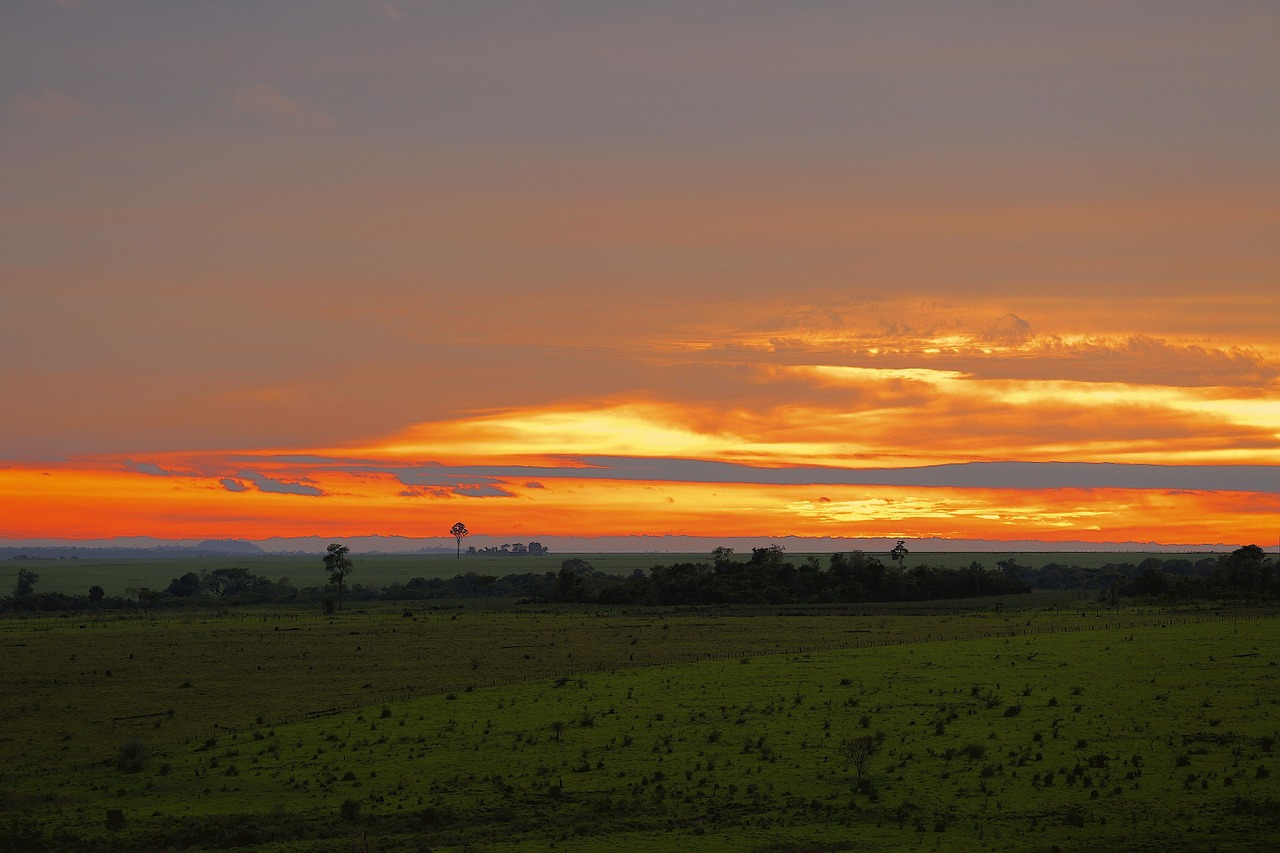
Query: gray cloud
[(233, 485), (482, 490), (440, 480), (991, 475), (147, 468), (267, 484), (1010, 329), (424, 492), (1141, 359), (455, 483)]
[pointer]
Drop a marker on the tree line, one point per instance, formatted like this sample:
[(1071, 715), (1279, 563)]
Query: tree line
[(767, 576), (510, 549)]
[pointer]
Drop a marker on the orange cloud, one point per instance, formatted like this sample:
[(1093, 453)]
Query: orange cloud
[(41, 503), (825, 401)]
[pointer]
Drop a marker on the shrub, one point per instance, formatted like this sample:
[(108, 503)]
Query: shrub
[(133, 755)]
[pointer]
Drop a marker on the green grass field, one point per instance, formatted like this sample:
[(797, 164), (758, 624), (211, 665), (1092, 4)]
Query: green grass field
[(1049, 727), (75, 576)]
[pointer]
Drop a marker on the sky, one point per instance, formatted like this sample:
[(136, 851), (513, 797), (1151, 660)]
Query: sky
[(985, 271)]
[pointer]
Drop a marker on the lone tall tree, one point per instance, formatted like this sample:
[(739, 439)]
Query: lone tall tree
[(899, 553), (338, 565), (458, 531), (859, 751)]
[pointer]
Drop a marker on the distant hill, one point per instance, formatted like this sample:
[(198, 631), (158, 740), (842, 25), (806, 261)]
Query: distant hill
[(209, 548), (228, 546), (148, 547)]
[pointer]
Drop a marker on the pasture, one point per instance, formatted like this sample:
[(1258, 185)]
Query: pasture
[(116, 575), (392, 729)]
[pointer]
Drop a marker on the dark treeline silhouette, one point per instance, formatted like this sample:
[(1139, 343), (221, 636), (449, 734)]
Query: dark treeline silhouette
[(517, 549), (766, 577)]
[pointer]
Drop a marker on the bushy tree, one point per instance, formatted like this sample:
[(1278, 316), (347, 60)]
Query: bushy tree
[(133, 755), (26, 583), (187, 585), (1247, 570), (338, 565), (223, 582), (115, 822)]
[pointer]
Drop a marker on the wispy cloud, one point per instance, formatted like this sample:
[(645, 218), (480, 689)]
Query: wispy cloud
[(73, 5), (388, 10), (270, 104), (52, 106)]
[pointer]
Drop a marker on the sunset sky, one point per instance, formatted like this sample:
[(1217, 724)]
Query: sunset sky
[(959, 271)]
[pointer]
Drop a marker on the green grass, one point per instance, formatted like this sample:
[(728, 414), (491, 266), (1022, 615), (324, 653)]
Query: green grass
[(75, 576), (704, 730)]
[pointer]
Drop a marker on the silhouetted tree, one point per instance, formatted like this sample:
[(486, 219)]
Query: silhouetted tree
[(458, 531), (115, 823), (26, 583), (338, 565), (1013, 572), (188, 584), (859, 751), (899, 553), (133, 755), (1152, 581), (1246, 570), (222, 582), (721, 553)]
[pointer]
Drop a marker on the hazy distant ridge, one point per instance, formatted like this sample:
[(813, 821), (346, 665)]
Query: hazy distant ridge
[(148, 547)]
